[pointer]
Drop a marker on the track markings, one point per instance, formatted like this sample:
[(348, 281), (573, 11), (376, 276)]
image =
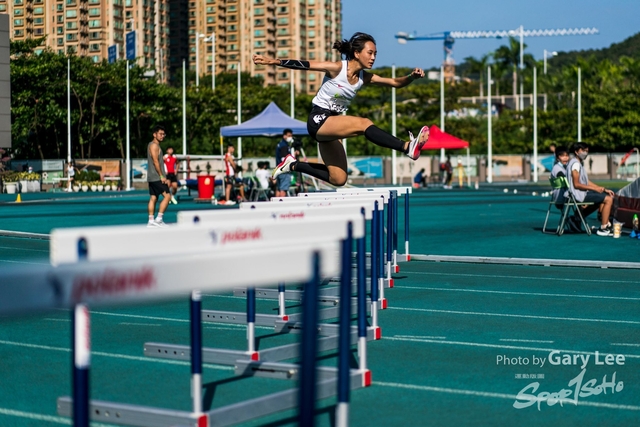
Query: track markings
[(534, 341), (537, 294), (497, 276), (625, 344), (519, 316), (113, 355)]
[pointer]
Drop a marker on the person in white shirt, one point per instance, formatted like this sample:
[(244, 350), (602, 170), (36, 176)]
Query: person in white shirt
[(263, 175), (586, 191), (326, 123)]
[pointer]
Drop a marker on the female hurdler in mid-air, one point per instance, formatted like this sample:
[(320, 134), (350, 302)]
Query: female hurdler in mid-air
[(327, 125)]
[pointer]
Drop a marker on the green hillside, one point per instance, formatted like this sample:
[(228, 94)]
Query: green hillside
[(629, 47)]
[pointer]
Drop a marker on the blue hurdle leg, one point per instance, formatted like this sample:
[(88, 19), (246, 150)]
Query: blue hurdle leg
[(344, 339), (251, 324), (389, 252), (396, 267), (308, 349), (381, 257), (406, 226), (374, 267), (196, 350)]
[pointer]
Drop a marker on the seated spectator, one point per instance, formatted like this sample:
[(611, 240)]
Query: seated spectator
[(420, 180), (586, 191), (560, 169), (264, 175)]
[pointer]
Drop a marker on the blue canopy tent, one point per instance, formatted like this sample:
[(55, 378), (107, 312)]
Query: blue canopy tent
[(270, 122)]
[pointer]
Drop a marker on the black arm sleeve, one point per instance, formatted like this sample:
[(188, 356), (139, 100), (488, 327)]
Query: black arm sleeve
[(294, 64)]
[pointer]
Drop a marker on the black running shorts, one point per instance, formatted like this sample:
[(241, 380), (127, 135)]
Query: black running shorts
[(157, 188), (316, 119), (172, 177)]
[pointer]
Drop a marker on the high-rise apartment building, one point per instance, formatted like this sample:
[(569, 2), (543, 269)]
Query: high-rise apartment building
[(89, 27), (166, 32), (300, 29)]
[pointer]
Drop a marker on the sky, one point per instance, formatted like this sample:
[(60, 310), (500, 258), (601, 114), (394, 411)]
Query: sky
[(616, 20)]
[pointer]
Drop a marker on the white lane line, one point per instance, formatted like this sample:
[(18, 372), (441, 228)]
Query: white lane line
[(24, 262), (168, 319), (139, 324), (519, 316), (500, 346), (24, 249), (625, 344), (113, 355), (497, 276), (57, 320), (495, 395), (538, 341), (537, 294), (44, 418), (420, 337)]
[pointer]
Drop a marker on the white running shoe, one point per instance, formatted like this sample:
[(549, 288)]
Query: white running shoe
[(173, 200), (416, 144), (284, 166), (160, 223), (230, 203), (151, 224)]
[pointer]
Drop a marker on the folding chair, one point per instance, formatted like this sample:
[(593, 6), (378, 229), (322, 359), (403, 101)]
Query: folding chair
[(257, 191), (562, 185)]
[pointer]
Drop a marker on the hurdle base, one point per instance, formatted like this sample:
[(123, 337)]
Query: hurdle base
[(388, 283), (384, 304), (133, 415)]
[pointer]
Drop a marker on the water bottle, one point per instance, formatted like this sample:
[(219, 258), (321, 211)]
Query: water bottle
[(634, 232)]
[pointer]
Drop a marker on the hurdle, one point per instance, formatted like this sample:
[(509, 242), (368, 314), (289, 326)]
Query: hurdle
[(380, 260), (405, 191), (287, 214), (130, 280)]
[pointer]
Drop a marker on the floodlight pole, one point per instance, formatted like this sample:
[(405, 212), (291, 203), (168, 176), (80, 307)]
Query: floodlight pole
[(128, 113), (69, 109), (442, 108), (184, 112), (579, 105), (489, 142), (394, 158), (535, 124), (213, 61), (291, 96), (521, 68)]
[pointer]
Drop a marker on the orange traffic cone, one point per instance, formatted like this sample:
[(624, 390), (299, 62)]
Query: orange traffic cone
[(18, 199)]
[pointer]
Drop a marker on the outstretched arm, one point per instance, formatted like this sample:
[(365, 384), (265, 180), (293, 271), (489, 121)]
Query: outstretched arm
[(398, 82), (331, 68)]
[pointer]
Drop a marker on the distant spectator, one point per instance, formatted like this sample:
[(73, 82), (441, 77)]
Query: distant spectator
[(420, 180), (560, 167), (230, 168), (71, 173), (283, 181), (264, 175), (448, 173), (586, 191), (171, 168)]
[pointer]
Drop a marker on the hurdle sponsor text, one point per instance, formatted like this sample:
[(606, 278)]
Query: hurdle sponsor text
[(112, 282)]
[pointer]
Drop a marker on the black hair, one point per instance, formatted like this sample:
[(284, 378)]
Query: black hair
[(561, 150), (170, 147), (579, 145), (354, 44), (157, 128), (287, 130), (230, 146), (259, 164)]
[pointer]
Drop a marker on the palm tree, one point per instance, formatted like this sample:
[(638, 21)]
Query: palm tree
[(479, 66), (509, 57)]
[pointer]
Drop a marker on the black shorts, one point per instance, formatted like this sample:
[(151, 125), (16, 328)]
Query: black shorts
[(157, 188), (593, 197), (172, 177), (316, 119), (230, 180)]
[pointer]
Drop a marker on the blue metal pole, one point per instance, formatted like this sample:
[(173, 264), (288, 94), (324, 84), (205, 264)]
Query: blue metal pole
[(406, 225), (344, 340), (308, 349), (196, 350), (395, 230), (81, 355)]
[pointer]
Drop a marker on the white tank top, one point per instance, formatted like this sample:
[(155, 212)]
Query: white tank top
[(336, 94)]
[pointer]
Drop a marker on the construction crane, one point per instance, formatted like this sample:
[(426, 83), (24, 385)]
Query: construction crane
[(449, 38)]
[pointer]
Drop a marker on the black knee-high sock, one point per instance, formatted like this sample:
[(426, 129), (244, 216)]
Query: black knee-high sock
[(316, 170), (383, 139)]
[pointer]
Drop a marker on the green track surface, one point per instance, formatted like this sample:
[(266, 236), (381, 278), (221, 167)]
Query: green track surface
[(446, 326)]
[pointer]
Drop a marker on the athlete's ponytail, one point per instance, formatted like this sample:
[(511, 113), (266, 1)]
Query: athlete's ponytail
[(354, 44)]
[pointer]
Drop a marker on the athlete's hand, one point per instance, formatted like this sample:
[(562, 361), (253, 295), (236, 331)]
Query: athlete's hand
[(417, 73), (261, 60)]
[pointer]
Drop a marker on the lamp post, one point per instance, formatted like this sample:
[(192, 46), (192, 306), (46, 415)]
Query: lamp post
[(198, 37), (212, 39), (546, 52)]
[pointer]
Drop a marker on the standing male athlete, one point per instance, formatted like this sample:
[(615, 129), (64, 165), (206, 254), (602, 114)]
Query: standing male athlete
[(171, 167), (156, 179)]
